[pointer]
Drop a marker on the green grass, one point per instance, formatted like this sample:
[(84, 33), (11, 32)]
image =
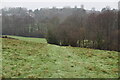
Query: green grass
[(38, 40), (0, 57), (37, 59)]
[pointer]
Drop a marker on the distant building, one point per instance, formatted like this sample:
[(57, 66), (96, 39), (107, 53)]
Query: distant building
[(82, 6), (75, 7), (66, 7)]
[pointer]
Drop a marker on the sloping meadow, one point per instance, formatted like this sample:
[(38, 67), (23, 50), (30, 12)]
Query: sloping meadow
[(31, 59)]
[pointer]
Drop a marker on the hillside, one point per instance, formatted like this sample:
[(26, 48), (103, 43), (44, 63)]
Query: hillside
[(34, 58)]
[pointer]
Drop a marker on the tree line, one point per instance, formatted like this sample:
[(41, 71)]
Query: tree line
[(75, 27)]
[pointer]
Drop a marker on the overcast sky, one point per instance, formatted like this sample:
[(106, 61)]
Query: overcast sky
[(33, 4)]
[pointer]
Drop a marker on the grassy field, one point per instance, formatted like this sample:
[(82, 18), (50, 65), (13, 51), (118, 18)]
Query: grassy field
[(0, 57), (34, 58)]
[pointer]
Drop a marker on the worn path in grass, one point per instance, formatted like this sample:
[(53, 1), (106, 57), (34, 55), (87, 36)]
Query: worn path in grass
[(34, 58)]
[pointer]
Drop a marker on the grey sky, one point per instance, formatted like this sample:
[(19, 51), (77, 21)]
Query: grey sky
[(33, 4)]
